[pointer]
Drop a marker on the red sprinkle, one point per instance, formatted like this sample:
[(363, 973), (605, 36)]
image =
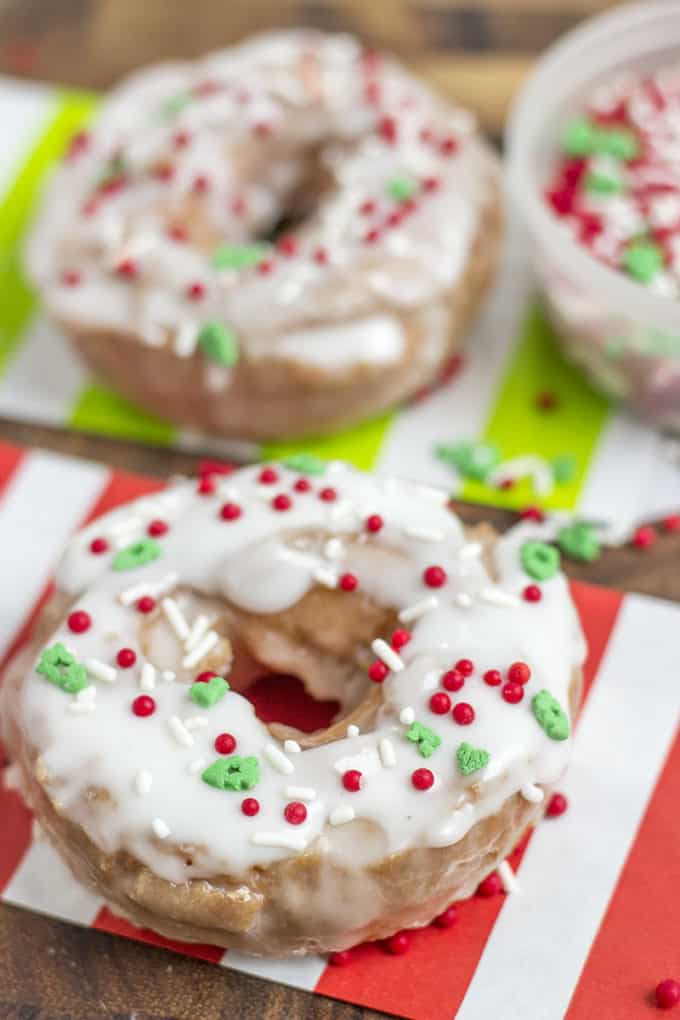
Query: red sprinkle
[(453, 680), (126, 657), (493, 677), (282, 502), (157, 528), (146, 604), (371, 236), (181, 139), (671, 523), (204, 677), (328, 495), (230, 512), (128, 269), (434, 577), (448, 146), (351, 780), (349, 582), (238, 205), (79, 621), (302, 485), (368, 207), (431, 184), (519, 673), (98, 546), (295, 813), (399, 639), (178, 233), (532, 513), (374, 523), (373, 93), (201, 184), (340, 959), (465, 666), (287, 245), (206, 466), (547, 400), (250, 806), (262, 129), (512, 692), (422, 779), (268, 476), (196, 291), (532, 593), (667, 993), (557, 805), (463, 713), (490, 886), (225, 743), (143, 705), (387, 129), (206, 486), (321, 256), (378, 671), (446, 919), (399, 944), (440, 703), (644, 537), (71, 278)]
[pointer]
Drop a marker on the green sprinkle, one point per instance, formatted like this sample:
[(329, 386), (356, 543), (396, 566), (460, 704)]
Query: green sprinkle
[(426, 739), (564, 468), (550, 715), (172, 106), (539, 560), (401, 188), (579, 541), (63, 669), (616, 142), (472, 460), (578, 138), (305, 463), (602, 184), (471, 759), (643, 260), (208, 694), (137, 555), (233, 773), (238, 256), (219, 343)]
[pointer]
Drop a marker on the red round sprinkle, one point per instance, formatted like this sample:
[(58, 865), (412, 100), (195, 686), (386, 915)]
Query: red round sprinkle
[(372, 93), (265, 266), (146, 604), (490, 886), (230, 511), (178, 233), (79, 621), (262, 129), (512, 692), (78, 144), (378, 671), (201, 184), (250, 806), (340, 959), (320, 256), (157, 528), (126, 657), (448, 146), (351, 780), (295, 813), (387, 129), (206, 486), (368, 207), (302, 485), (519, 673), (422, 779), (446, 919), (204, 677), (493, 677), (374, 523), (268, 476), (557, 805), (287, 245), (434, 577), (196, 291), (328, 495), (98, 546), (225, 743), (371, 236), (399, 944), (532, 513), (644, 537), (431, 184), (453, 680), (440, 703), (143, 705), (238, 205), (282, 502), (349, 582), (165, 172), (400, 638), (463, 713), (532, 593), (671, 522), (396, 218), (181, 139), (507, 483), (128, 269), (667, 993), (465, 666), (71, 278)]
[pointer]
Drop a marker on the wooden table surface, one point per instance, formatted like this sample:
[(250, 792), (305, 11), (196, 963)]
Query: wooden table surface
[(477, 51)]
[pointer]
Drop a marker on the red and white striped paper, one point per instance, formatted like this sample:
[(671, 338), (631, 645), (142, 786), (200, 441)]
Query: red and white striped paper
[(592, 929)]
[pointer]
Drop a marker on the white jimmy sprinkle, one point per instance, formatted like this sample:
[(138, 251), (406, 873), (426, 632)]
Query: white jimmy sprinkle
[(101, 671), (166, 583), (143, 782), (186, 339), (341, 815), (470, 551), (180, 732), (353, 731), (167, 676), (407, 716), (333, 549), (291, 746), (534, 794), (424, 534), (196, 722), (284, 840), (160, 828), (197, 765), (147, 678), (200, 627), (387, 755), (499, 597), (327, 577), (418, 609), (387, 655), (277, 758), (201, 650), (87, 694), (300, 793), (508, 878), (175, 618), (462, 599)]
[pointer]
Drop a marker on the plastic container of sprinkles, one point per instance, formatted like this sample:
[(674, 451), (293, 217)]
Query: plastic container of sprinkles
[(626, 336)]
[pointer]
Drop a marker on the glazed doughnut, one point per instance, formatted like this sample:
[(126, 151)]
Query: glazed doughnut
[(149, 249), (151, 773)]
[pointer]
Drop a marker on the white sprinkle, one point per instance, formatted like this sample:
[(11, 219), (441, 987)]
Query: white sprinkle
[(200, 627), (498, 597), (418, 609), (277, 758), (291, 746), (147, 678), (175, 618), (186, 339), (353, 731), (463, 600), (340, 509), (160, 587), (387, 655), (534, 794), (160, 828), (341, 815), (87, 694), (180, 732), (424, 534), (284, 840), (197, 765), (143, 782), (470, 551), (387, 755), (201, 650), (82, 707), (333, 549), (300, 793), (167, 676), (507, 877), (196, 722), (101, 671), (327, 577), (407, 716)]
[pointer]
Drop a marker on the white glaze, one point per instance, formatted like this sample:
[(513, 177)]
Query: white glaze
[(155, 781)]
